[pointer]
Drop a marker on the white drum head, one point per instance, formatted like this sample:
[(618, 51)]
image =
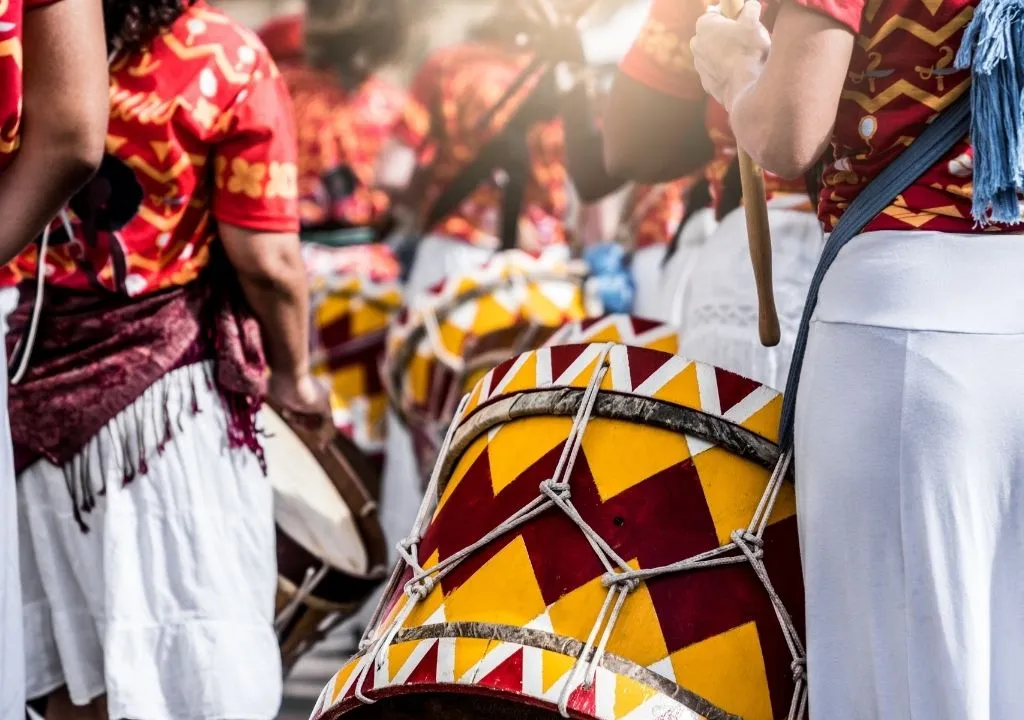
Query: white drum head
[(307, 507)]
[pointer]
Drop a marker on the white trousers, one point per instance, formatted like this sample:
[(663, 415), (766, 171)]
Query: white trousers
[(647, 277), (910, 480), (720, 320), (166, 604), (12, 652)]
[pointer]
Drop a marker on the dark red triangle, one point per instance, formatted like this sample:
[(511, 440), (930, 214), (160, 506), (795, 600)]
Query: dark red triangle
[(562, 356), (642, 325), (733, 388), (499, 373), (507, 676), (590, 322), (643, 363), (426, 671), (584, 700)]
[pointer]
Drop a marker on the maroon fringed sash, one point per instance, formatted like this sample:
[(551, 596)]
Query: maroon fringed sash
[(95, 355)]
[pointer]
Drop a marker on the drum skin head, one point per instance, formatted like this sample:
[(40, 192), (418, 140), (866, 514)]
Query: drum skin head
[(673, 463)]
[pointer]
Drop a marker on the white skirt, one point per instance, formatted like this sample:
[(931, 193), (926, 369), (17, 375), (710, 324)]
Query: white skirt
[(12, 653), (720, 321), (646, 270), (910, 480), (676, 277), (166, 604)]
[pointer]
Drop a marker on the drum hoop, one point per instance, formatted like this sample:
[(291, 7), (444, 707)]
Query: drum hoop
[(610, 405), (346, 468), (562, 645), (396, 364)]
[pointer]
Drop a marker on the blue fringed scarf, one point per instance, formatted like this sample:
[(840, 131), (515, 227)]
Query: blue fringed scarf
[(610, 278), (993, 50)]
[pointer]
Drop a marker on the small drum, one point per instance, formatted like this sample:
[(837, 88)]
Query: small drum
[(331, 552), (352, 308), (622, 329), (428, 346), (608, 534)]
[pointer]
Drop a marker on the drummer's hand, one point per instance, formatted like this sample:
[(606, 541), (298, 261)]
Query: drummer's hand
[(730, 54), (305, 400)]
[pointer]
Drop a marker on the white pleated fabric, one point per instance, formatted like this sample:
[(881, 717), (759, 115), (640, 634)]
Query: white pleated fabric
[(166, 604), (12, 652), (910, 480), (720, 321), (676, 277), (647, 277)]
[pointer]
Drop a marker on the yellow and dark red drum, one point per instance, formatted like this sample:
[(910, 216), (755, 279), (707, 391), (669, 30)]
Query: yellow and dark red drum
[(428, 346), (622, 329), (609, 534), (355, 294)]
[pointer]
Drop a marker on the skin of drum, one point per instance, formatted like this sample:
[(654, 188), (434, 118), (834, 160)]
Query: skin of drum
[(351, 316), (676, 457), (511, 288)]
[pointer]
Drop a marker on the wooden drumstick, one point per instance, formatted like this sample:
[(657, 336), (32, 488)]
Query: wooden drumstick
[(759, 238)]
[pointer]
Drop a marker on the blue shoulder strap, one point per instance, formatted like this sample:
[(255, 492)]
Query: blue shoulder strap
[(951, 126)]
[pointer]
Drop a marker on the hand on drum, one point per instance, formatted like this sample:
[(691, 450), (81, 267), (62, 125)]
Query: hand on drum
[(730, 54), (305, 400)]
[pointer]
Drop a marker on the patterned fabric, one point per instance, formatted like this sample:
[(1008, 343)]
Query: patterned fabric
[(661, 59), (201, 131), (10, 74), (341, 136), (460, 84), (900, 77), (655, 211)]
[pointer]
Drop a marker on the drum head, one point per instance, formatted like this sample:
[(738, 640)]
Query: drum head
[(307, 506)]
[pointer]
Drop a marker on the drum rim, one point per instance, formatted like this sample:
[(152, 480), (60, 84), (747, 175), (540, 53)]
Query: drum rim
[(396, 362), (526, 637), (609, 405)]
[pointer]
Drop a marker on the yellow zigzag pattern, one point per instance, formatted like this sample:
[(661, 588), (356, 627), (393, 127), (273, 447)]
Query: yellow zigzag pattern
[(204, 51), (902, 88), (932, 37)]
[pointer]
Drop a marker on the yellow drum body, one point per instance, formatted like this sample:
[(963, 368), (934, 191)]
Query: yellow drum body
[(609, 540), (428, 346)]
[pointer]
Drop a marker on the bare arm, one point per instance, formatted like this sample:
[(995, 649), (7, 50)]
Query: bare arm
[(66, 106), (782, 113), (273, 278)]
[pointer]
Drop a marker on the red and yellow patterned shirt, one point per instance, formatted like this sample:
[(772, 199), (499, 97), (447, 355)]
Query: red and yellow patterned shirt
[(11, 16), (201, 131), (661, 59), (345, 129), (900, 78), (655, 211), (462, 82)]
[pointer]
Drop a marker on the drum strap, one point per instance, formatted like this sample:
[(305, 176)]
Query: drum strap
[(931, 146)]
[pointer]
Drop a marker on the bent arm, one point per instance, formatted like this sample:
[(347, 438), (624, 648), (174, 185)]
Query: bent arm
[(66, 107), (784, 117), (273, 278)]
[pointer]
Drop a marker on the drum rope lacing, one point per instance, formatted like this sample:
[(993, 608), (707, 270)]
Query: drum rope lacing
[(746, 546)]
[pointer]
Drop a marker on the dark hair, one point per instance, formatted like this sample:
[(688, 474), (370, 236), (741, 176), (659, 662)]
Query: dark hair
[(132, 24)]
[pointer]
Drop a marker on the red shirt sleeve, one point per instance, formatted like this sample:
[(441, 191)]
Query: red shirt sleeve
[(661, 58), (845, 12), (255, 163)]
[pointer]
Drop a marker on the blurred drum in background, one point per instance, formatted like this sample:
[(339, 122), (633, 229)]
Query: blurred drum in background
[(354, 297)]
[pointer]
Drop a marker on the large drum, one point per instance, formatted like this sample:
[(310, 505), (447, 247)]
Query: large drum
[(614, 537), (331, 552), (621, 329), (427, 348), (354, 297)]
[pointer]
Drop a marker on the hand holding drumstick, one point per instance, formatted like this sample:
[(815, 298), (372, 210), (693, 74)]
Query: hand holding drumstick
[(754, 45)]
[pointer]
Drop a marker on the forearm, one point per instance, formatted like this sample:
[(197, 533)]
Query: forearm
[(584, 147), (279, 297)]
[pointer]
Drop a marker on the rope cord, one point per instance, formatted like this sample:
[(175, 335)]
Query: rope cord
[(621, 580)]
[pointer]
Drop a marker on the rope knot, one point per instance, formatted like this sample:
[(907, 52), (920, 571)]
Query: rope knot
[(799, 668), (624, 580), (751, 545), (555, 490), (418, 590)]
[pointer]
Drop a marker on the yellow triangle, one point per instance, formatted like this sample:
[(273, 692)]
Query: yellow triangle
[(502, 592), (399, 654), (491, 315), (932, 5), (115, 143), (573, 615), (417, 376), (582, 378), (637, 635), (554, 666), (331, 309), (469, 457), (669, 344), (622, 454), (765, 422), (733, 488), (473, 378), (160, 148), (348, 382), (629, 695), (728, 671), (519, 444), (539, 307), (453, 338), (468, 652), (609, 333), (341, 678), (525, 377), (368, 318), (682, 389)]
